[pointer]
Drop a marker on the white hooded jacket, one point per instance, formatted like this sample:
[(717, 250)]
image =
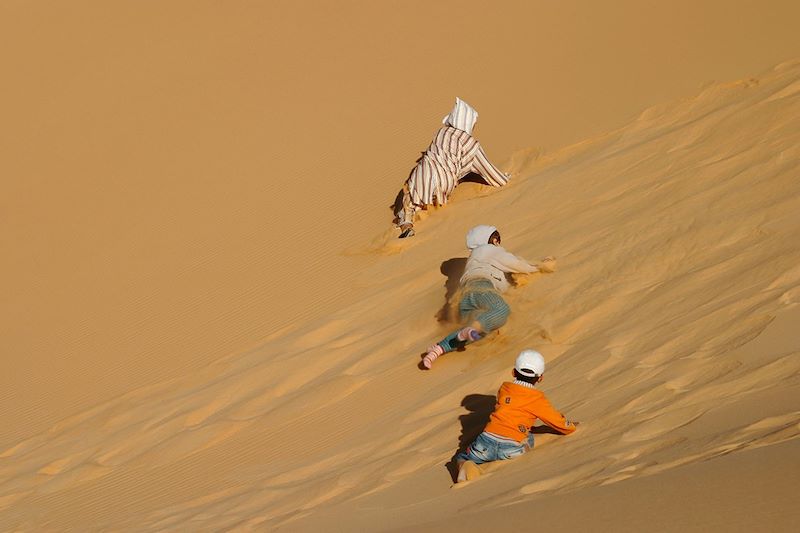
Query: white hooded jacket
[(489, 262)]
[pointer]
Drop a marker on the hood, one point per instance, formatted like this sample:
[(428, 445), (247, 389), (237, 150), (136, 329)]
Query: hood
[(479, 235), (463, 116)]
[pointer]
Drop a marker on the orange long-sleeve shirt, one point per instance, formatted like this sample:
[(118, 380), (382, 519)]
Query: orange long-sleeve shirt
[(517, 409)]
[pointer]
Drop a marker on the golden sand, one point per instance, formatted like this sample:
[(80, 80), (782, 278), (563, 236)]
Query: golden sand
[(208, 322)]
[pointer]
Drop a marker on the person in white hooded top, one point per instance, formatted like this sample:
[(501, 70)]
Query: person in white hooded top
[(484, 280)]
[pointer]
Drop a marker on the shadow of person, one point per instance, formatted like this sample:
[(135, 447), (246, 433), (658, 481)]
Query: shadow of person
[(544, 430), (452, 269), (474, 177), (479, 407)]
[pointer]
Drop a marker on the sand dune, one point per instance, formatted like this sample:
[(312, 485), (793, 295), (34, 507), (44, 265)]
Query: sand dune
[(213, 327), (657, 328)]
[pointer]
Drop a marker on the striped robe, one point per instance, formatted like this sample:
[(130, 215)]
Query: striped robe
[(452, 155)]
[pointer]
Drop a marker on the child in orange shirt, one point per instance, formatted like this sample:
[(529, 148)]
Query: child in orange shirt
[(519, 405)]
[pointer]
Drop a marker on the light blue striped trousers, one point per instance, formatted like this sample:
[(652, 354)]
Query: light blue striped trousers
[(482, 303)]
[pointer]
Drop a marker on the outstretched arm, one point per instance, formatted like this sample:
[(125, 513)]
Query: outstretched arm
[(508, 262), (548, 414), (548, 265), (483, 167)]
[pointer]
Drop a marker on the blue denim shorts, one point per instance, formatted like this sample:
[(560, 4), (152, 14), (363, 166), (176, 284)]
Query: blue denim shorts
[(490, 447)]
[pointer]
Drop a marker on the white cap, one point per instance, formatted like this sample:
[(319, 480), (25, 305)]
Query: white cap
[(529, 363)]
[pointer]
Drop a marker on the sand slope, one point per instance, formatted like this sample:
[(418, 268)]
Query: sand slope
[(180, 177), (207, 325), (664, 330)]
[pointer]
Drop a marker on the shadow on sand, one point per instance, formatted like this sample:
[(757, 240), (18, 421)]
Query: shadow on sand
[(452, 269)]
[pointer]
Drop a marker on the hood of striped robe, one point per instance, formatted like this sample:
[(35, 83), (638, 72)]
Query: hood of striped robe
[(463, 116), (479, 235)]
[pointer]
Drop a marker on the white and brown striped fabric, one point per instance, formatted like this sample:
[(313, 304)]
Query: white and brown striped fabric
[(463, 116), (452, 155)]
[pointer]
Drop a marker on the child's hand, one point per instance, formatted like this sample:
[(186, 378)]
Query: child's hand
[(548, 264), (520, 280)]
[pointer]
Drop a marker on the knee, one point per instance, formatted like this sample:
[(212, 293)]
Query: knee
[(504, 310), (497, 317)]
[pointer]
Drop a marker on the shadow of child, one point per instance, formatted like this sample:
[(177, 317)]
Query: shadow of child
[(452, 269), (480, 406)]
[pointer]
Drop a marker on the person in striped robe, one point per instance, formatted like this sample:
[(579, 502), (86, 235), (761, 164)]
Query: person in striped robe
[(452, 155)]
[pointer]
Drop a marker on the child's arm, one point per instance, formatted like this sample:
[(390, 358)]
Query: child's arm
[(548, 265), (548, 414), (508, 262)]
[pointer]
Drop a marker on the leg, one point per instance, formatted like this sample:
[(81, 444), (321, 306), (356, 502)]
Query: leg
[(457, 339), (405, 211), (528, 443), (467, 471), (405, 214), (510, 450), (492, 311), (483, 450), (484, 311)]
